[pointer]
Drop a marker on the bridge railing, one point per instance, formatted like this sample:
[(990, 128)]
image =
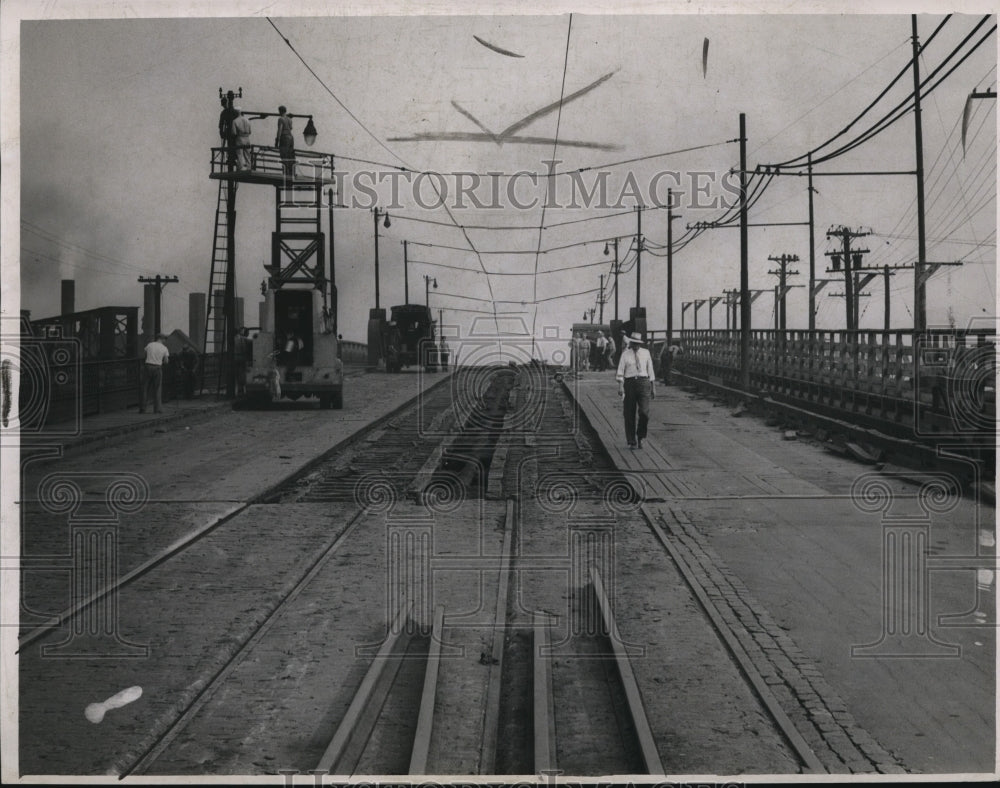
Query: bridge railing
[(267, 159), (107, 386), (882, 373)]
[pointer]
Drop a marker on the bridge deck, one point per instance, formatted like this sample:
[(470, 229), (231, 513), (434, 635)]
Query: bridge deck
[(744, 502), (767, 527)]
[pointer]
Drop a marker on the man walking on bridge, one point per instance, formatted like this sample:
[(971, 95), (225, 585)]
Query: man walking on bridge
[(636, 386)]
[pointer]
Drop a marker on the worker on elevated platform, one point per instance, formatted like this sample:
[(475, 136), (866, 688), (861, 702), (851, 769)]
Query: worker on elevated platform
[(241, 135), (285, 141), (226, 118)]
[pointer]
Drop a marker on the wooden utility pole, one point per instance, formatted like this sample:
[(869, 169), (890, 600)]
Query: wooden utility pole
[(617, 270), (600, 301), (745, 303), (888, 300), (812, 251), (333, 266), (732, 299), (712, 301), (782, 273), (919, 280), (851, 259), (670, 264), (638, 257)]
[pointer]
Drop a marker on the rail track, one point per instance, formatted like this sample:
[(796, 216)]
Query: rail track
[(553, 698)]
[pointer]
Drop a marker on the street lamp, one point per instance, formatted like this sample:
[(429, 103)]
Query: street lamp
[(427, 289), (308, 133), (376, 213)]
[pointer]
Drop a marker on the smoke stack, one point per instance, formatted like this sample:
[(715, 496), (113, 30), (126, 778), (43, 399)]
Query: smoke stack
[(68, 297), (197, 309)]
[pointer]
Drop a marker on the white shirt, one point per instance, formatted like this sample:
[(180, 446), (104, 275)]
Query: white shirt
[(635, 362), (156, 353)]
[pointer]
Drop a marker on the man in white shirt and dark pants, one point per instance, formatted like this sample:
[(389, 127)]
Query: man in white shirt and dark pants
[(156, 356), (636, 386)]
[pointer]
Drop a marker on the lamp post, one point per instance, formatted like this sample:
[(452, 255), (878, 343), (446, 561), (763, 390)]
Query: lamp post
[(616, 269), (427, 289), (308, 133), (406, 274), (376, 214)]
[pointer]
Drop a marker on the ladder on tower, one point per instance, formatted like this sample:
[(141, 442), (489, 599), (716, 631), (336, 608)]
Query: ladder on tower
[(215, 317)]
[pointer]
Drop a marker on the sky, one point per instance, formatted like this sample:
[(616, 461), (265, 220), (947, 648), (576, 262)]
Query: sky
[(107, 141)]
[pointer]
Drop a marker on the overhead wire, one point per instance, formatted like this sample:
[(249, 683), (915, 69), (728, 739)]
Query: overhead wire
[(903, 108), (395, 155), (879, 97)]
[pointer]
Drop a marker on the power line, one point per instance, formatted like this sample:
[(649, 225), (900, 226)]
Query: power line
[(899, 111)]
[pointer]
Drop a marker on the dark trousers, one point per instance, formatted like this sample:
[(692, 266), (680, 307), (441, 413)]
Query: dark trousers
[(152, 385), (665, 363), (637, 392)]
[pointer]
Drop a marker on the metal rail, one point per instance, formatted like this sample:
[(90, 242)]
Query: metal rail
[(348, 743), (543, 717), (633, 696), (68, 614), (425, 717), (811, 763), (157, 740), (491, 712)]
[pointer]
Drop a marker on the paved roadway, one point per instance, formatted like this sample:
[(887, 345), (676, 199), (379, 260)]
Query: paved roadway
[(768, 525), (777, 519)]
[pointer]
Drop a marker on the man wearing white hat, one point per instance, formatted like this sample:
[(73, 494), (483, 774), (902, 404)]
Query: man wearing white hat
[(636, 386)]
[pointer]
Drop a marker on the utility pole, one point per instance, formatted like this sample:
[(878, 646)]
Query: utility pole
[(851, 258), (744, 263), (712, 301), (812, 251), (617, 270), (684, 309), (919, 280), (732, 298), (157, 282), (638, 257), (333, 266), (670, 266), (782, 273), (698, 303), (888, 301), (600, 301)]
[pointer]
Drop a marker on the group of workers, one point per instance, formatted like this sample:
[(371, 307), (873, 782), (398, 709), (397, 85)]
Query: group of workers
[(234, 130)]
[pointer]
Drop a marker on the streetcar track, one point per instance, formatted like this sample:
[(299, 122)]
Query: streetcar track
[(196, 698), (67, 615), (161, 740)]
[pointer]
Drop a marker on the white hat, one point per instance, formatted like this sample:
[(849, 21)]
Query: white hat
[(637, 340)]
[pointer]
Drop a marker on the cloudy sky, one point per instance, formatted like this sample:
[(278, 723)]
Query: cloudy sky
[(111, 121)]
